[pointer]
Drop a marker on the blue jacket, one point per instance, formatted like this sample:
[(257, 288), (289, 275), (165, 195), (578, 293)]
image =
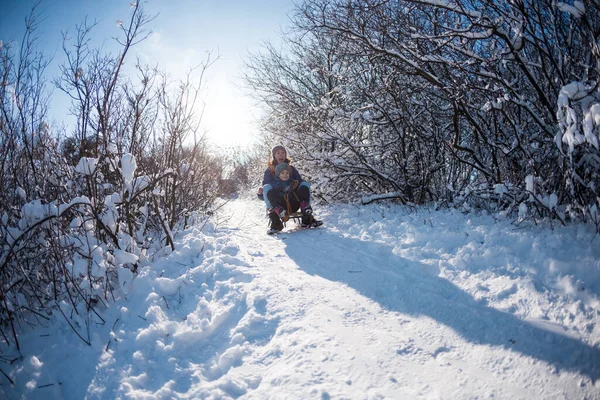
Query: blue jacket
[(282, 186), (269, 176)]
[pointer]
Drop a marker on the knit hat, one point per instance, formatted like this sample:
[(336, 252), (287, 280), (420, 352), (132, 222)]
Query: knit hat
[(276, 149), (280, 167)]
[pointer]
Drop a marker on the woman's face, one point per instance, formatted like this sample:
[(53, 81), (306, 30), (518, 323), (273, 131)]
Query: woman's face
[(280, 156)]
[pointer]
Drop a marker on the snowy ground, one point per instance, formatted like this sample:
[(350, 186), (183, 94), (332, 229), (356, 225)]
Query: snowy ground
[(380, 302)]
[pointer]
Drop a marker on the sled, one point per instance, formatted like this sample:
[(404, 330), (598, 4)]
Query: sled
[(297, 218)]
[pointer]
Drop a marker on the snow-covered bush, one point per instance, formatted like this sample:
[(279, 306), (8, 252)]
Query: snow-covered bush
[(77, 211), (414, 97)]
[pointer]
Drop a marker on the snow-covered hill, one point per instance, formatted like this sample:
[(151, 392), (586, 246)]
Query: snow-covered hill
[(380, 302)]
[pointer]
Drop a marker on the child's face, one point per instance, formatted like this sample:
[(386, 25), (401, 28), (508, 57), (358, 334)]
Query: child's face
[(284, 175)]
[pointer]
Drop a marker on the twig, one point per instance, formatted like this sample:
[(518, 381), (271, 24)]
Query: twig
[(7, 377), (112, 330), (71, 325), (10, 318), (45, 386)]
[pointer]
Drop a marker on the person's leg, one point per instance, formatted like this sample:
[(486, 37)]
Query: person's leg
[(274, 200), (307, 186), (294, 201), (303, 193), (266, 189), (277, 207)]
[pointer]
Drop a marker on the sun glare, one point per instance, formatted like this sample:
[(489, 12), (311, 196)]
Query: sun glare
[(228, 115), (180, 38)]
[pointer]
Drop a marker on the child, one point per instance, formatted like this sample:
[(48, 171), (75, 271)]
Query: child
[(288, 195), (282, 180), (279, 154)]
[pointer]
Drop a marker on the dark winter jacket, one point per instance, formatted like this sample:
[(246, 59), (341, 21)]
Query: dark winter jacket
[(269, 176), (284, 186)]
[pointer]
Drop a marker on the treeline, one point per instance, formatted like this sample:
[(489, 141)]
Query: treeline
[(468, 103), (79, 210)]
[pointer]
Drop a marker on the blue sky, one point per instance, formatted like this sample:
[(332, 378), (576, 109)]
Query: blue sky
[(183, 32)]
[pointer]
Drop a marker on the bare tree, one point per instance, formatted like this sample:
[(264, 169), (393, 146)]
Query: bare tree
[(463, 102), (77, 209)]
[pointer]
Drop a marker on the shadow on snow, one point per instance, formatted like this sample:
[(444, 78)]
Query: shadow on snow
[(410, 287)]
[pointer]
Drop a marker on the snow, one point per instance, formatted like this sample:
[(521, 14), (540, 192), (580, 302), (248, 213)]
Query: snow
[(577, 10), (21, 193), (87, 165), (380, 302), (568, 119), (446, 4), (590, 121), (123, 257), (128, 166)]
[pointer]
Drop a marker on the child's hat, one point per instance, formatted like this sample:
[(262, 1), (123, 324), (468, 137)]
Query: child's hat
[(279, 168), (276, 149)]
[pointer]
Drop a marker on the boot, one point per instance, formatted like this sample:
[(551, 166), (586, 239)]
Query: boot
[(305, 208), (276, 224), (307, 215), (307, 220)]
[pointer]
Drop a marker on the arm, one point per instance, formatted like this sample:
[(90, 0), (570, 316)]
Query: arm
[(296, 175), (267, 177)]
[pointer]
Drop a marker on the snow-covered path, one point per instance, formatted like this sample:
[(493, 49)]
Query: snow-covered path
[(380, 302), (356, 320)]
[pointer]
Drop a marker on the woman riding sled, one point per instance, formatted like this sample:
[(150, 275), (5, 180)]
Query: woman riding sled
[(284, 192)]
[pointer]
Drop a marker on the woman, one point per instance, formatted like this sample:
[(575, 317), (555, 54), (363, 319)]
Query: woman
[(280, 202)]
